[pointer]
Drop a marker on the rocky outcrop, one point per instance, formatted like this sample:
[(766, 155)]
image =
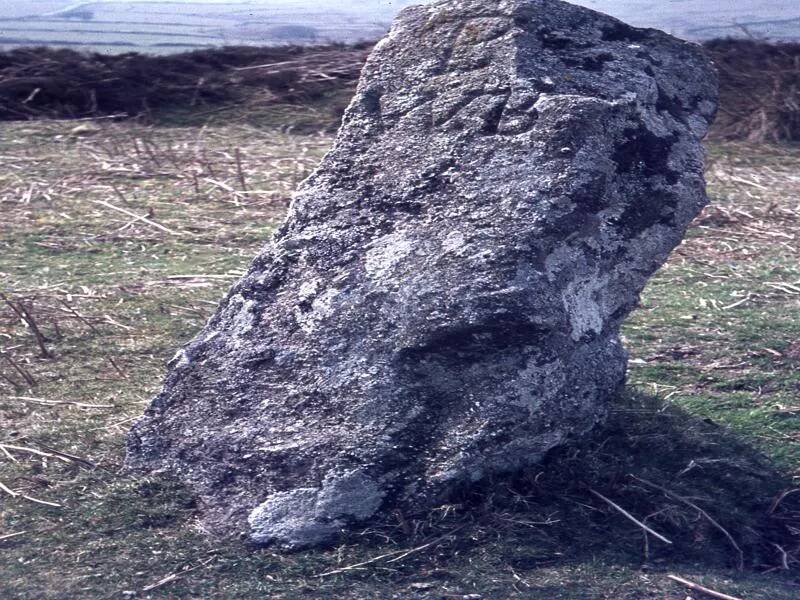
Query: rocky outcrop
[(444, 300)]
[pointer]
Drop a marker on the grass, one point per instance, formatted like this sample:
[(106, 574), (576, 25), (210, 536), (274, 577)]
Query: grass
[(712, 412), (719, 328)]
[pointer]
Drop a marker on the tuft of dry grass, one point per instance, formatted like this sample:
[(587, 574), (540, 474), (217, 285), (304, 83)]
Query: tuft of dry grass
[(759, 90), (43, 82)]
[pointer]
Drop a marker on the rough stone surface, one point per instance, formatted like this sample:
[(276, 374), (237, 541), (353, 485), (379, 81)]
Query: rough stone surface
[(444, 300)]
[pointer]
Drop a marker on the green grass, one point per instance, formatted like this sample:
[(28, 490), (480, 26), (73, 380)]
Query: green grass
[(718, 327), (712, 411)]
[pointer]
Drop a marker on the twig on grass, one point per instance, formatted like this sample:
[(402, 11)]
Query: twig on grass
[(417, 549), (136, 217), (23, 372), (361, 564), (204, 276), (9, 536), (38, 501), (240, 170), (119, 371), (64, 455), (710, 519), (630, 517), (736, 179), (13, 383), (784, 556), (397, 555), (116, 324), (79, 316), (224, 186), (777, 502), (34, 452), (24, 313), (9, 456), (174, 576), (739, 303), (119, 194), (168, 579), (787, 288), (59, 402), (646, 539), (8, 490), (699, 588)]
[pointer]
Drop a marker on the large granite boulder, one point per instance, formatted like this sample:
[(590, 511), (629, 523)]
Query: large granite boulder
[(443, 302)]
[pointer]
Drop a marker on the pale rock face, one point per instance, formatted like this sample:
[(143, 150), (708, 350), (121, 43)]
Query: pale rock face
[(444, 300)]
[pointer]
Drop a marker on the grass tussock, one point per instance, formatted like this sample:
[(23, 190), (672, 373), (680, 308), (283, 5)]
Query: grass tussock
[(759, 90), (43, 82)]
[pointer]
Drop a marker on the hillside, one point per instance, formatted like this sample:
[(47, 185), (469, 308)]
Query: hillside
[(760, 94), (158, 26)]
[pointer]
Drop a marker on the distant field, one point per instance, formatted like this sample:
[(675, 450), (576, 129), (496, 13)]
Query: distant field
[(15, 9), (153, 26), (706, 19)]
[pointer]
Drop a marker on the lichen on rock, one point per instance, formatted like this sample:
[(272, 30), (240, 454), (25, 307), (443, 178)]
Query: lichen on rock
[(443, 302)]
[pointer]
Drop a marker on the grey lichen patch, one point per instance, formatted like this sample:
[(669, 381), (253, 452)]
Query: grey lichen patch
[(350, 494), (582, 307), (385, 254), (306, 517), (288, 519), (443, 302), (315, 303)]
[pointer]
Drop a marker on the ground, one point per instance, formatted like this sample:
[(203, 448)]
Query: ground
[(118, 239)]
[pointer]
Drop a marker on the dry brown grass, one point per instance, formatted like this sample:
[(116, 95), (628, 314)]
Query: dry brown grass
[(759, 90)]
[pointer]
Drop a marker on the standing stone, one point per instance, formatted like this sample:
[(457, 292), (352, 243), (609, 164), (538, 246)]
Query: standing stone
[(444, 300)]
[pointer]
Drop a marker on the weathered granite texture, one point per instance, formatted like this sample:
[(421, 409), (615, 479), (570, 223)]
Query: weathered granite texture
[(443, 302)]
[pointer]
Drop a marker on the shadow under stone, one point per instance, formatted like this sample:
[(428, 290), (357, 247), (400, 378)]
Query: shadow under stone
[(719, 501)]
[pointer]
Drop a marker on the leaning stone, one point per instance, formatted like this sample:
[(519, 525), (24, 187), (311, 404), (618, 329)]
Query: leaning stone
[(443, 302)]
